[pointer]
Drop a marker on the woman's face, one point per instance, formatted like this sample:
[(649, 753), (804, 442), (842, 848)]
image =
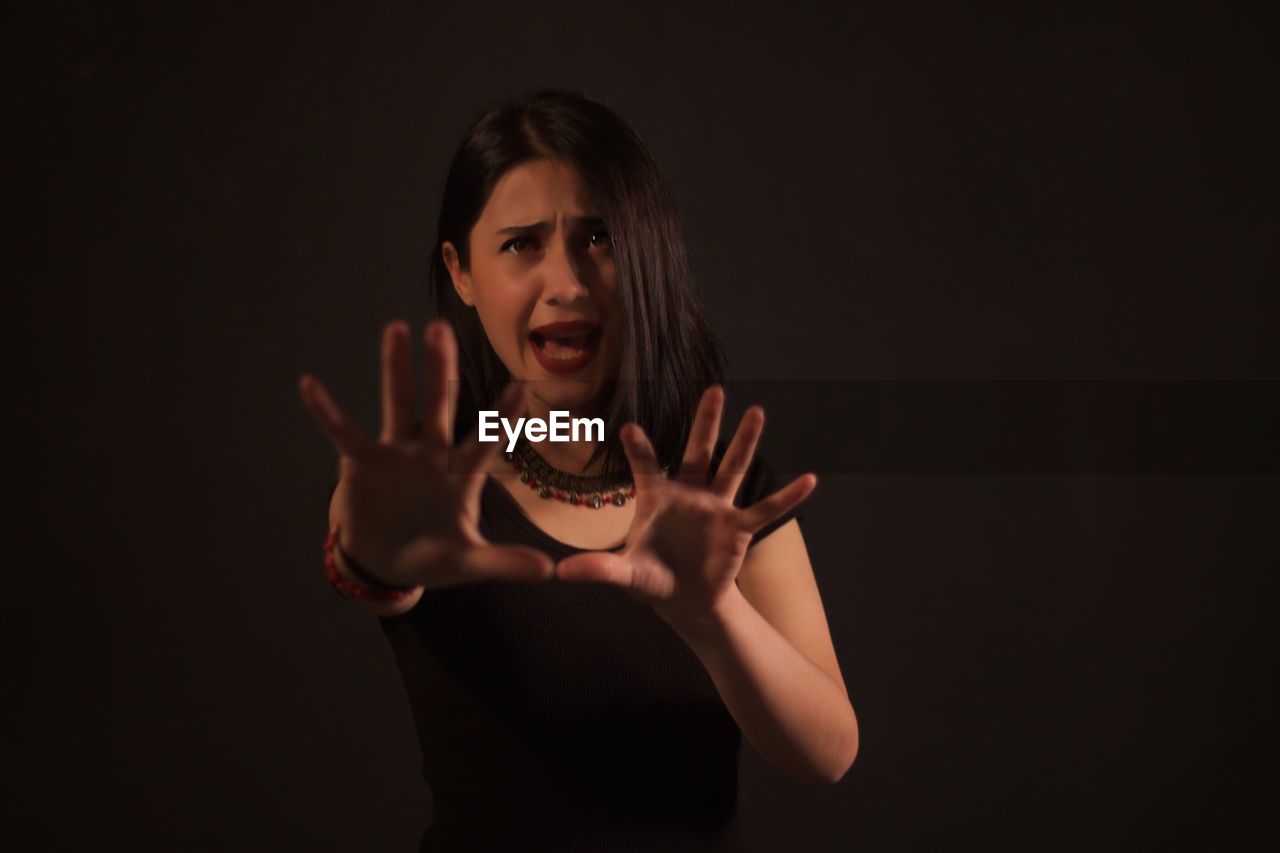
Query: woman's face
[(543, 282)]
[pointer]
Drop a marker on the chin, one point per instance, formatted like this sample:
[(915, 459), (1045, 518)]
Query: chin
[(567, 394)]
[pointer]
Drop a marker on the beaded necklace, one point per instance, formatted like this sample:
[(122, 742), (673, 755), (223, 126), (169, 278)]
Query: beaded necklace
[(576, 489)]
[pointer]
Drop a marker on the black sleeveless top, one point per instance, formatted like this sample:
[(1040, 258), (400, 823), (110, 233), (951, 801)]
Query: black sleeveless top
[(565, 716)]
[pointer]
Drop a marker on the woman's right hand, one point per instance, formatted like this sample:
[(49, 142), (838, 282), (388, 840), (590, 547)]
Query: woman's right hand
[(409, 506)]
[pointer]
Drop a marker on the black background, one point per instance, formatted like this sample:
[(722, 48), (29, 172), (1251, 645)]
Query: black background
[(215, 198)]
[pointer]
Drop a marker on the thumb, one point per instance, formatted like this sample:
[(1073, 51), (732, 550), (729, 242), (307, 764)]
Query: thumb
[(597, 566), (507, 562)]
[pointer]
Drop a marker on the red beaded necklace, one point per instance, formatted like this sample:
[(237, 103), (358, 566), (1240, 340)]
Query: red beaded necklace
[(576, 489)]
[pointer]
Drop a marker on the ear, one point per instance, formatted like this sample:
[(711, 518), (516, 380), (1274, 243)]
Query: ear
[(461, 278)]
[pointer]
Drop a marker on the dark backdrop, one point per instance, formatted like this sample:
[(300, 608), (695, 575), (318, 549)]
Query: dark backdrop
[(215, 198)]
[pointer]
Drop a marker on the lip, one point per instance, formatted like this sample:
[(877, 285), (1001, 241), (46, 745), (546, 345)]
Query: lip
[(564, 328)]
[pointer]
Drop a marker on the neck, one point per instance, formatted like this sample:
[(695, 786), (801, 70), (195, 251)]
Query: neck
[(569, 456)]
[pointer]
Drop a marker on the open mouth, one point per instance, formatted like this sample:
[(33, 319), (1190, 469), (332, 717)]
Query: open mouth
[(565, 347)]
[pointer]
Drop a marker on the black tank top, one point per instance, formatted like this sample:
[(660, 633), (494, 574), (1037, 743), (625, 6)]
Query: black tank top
[(565, 716)]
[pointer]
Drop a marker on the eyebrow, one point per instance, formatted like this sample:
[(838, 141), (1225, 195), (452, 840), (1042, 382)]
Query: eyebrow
[(515, 229)]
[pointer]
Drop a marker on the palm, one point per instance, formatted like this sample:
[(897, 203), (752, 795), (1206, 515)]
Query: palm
[(687, 540), (402, 492), (409, 503)]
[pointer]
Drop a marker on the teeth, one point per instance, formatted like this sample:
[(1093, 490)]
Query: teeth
[(562, 348), (560, 352)]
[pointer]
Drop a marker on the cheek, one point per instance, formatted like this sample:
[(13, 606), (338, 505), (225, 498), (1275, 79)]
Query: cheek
[(501, 324), (610, 299), (504, 307), (610, 303)]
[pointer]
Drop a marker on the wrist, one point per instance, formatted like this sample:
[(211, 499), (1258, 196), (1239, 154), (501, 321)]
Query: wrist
[(704, 626), (359, 570), (353, 581)]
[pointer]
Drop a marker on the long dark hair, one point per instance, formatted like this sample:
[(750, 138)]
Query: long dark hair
[(669, 352)]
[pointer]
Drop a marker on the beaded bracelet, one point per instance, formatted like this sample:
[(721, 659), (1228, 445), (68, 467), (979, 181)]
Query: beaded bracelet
[(370, 587)]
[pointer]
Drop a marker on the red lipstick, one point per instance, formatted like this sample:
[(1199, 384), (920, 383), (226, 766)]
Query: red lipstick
[(566, 346)]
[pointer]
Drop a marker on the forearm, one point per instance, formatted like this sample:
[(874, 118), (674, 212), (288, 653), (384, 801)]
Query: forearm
[(790, 710)]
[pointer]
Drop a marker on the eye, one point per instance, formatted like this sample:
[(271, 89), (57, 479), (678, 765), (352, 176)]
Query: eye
[(601, 239), (516, 245)]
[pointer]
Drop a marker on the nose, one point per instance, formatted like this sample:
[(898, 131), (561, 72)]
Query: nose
[(562, 284)]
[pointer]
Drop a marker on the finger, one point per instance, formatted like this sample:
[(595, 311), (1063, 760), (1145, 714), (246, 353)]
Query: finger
[(425, 558), (696, 464), (397, 383), (595, 567), (780, 502), (645, 470), (738, 456), (442, 384), (344, 434), (508, 562), (474, 457)]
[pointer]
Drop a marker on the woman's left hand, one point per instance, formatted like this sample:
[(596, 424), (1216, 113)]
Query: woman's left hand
[(687, 541)]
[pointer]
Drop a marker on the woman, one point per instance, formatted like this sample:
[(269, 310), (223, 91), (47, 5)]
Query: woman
[(582, 644)]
